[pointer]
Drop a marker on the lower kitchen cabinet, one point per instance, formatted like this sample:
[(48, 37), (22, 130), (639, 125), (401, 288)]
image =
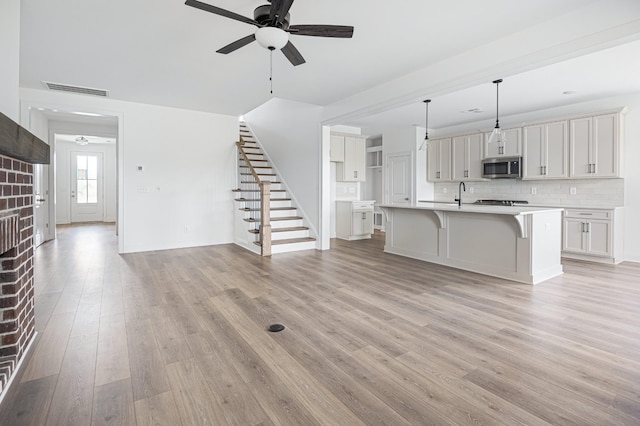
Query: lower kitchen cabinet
[(593, 234), (354, 219)]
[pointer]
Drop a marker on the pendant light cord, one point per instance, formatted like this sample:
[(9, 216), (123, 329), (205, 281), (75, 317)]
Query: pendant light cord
[(426, 134), (497, 83)]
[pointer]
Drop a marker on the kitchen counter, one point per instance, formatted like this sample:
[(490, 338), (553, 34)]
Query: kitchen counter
[(519, 243)]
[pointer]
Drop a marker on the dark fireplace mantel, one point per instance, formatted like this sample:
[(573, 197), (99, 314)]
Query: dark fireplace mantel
[(17, 142)]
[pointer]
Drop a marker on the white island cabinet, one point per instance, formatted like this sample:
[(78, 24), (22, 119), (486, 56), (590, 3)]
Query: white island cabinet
[(517, 243)]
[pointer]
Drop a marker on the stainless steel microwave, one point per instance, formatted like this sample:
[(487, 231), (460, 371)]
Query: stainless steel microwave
[(502, 167)]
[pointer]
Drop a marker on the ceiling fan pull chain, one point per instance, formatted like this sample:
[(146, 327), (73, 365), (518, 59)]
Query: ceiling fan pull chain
[(271, 49)]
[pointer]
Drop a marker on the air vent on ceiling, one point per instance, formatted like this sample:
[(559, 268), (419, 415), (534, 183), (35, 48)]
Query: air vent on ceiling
[(76, 89)]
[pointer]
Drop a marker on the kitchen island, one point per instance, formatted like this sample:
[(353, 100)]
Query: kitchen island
[(517, 243)]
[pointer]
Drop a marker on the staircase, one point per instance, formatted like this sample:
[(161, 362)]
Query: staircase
[(270, 223)]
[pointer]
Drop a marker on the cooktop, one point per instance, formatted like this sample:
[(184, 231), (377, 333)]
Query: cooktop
[(500, 202)]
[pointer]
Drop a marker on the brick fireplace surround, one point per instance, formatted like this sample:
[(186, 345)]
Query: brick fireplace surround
[(19, 149)]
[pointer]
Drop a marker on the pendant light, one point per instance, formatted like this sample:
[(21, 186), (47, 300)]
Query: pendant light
[(426, 134), (498, 136)]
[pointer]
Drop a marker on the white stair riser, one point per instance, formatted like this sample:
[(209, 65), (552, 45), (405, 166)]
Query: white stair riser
[(275, 203), (286, 248), (283, 213), (289, 234), (286, 223)]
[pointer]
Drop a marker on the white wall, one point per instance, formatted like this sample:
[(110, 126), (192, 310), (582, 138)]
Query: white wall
[(63, 178), (409, 139), (10, 62), (183, 197), (290, 133)]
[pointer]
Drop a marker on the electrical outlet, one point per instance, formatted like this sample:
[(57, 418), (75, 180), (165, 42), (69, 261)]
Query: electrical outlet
[(186, 229), (472, 190), (534, 190), (445, 190), (573, 190)]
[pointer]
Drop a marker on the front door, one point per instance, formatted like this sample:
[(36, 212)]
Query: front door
[(399, 178), (87, 203)]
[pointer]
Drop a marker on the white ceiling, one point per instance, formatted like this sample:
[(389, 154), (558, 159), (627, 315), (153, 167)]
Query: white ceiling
[(163, 52), (610, 72)]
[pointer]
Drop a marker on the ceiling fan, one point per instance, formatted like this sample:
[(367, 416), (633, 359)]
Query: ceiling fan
[(274, 29)]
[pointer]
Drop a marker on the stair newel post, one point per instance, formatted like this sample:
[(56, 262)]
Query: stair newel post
[(265, 217)]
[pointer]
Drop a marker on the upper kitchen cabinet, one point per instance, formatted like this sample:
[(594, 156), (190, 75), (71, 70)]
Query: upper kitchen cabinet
[(546, 151), (595, 146), (353, 166), (466, 157), (439, 160), (336, 149), (512, 147)]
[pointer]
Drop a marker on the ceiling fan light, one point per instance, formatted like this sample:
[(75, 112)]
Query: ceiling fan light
[(271, 37)]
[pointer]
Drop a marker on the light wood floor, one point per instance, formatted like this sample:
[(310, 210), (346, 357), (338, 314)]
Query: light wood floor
[(178, 338)]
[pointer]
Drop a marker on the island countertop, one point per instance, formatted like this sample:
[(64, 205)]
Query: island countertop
[(475, 208)]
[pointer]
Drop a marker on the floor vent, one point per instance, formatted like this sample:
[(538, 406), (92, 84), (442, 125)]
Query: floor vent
[(76, 89)]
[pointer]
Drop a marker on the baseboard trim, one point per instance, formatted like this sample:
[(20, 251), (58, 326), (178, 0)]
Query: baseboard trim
[(19, 370)]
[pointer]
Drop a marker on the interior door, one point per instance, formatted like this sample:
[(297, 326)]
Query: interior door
[(399, 180), (87, 200), (41, 203)]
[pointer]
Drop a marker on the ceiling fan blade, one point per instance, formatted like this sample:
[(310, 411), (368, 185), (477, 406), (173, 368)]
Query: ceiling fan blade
[(222, 12), (279, 9), (231, 47), (339, 31), (293, 55)]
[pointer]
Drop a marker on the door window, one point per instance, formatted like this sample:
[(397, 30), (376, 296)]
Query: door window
[(87, 179)]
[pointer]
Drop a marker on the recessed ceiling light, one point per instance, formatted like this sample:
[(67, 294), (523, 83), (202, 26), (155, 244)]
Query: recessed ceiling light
[(472, 111), (88, 114), (569, 92)]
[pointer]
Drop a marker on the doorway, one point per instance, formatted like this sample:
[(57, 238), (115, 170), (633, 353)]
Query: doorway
[(87, 187), (41, 203)]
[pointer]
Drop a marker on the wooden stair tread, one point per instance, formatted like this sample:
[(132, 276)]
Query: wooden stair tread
[(257, 200), (259, 174), (245, 209), (293, 228), (289, 241), (257, 190), (250, 181), (276, 219)]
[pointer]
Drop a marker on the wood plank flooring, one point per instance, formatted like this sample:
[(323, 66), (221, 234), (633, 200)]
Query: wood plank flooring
[(179, 338)]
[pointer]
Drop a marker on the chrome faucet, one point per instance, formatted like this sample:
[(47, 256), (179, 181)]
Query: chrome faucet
[(461, 187)]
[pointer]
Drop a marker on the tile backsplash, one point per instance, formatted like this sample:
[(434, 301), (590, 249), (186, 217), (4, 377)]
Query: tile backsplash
[(570, 193)]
